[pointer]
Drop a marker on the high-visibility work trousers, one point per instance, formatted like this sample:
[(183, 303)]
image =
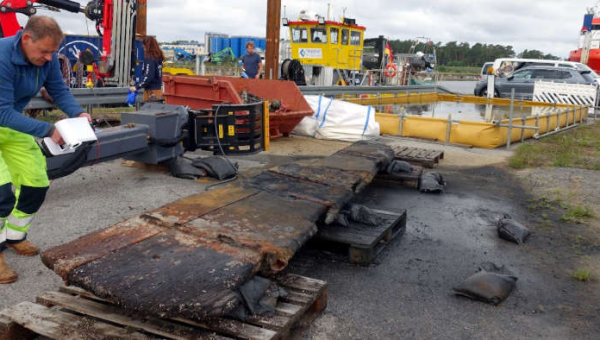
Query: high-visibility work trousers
[(22, 168)]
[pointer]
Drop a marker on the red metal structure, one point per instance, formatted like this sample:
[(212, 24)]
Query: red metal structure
[(204, 92), (102, 13)]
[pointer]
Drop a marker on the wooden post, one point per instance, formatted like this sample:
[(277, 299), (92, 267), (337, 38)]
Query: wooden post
[(142, 27), (273, 34)]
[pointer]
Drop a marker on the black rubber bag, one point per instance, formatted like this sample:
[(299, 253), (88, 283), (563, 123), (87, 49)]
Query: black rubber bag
[(432, 182), (182, 168), (359, 214), (512, 230), (487, 286), (217, 167), (398, 167)]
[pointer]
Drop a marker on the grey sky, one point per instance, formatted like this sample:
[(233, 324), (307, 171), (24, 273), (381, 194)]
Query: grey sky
[(551, 26)]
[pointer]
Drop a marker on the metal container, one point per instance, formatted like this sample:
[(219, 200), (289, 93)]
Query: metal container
[(200, 92), (236, 46)]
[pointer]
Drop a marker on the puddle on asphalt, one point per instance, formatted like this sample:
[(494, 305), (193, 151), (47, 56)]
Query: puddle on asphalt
[(459, 111)]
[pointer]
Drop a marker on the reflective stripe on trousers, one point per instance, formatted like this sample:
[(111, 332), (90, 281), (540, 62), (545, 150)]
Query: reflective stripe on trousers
[(17, 225)]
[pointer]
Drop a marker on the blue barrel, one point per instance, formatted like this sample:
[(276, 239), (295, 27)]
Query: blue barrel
[(243, 41), (587, 21), (262, 43), (235, 46), (214, 45), (225, 43)]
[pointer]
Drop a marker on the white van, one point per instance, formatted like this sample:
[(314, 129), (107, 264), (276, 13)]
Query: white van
[(485, 70), (505, 67)]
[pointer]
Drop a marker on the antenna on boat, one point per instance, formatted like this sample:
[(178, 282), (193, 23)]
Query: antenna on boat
[(329, 12), (344, 13)]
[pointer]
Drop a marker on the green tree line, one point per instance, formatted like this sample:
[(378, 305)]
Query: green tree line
[(464, 54)]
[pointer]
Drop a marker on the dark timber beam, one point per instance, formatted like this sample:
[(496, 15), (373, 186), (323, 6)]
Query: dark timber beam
[(273, 35)]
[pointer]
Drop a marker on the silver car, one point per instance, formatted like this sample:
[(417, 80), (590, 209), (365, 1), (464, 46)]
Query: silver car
[(523, 81)]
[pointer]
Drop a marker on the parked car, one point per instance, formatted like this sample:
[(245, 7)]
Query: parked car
[(523, 81), (485, 70), (504, 67)]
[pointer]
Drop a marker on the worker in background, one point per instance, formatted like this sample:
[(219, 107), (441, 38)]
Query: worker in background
[(28, 61), (152, 72), (252, 63)]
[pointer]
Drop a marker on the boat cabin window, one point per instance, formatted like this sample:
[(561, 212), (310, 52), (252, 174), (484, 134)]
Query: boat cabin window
[(345, 37), (319, 35), (335, 35), (299, 35), (355, 38)]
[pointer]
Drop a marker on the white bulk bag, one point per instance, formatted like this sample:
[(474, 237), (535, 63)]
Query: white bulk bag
[(338, 120)]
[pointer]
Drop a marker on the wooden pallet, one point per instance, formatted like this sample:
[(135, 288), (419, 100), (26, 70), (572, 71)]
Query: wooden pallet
[(362, 243), (73, 313), (424, 157), (409, 179)]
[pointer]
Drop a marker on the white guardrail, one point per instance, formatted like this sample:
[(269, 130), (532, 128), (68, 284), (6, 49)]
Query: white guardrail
[(561, 93)]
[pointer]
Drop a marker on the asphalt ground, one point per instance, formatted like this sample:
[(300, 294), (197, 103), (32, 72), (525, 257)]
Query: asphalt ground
[(406, 294)]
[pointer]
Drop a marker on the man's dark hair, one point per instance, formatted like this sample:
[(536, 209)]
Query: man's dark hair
[(40, 27)]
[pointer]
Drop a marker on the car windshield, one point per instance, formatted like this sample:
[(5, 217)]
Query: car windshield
[(588, 77), (583, 67)]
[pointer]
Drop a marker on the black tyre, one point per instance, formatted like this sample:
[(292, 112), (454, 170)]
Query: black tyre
[(483, 93)]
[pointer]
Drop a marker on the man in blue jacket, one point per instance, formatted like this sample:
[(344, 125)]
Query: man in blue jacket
[(28, 62)]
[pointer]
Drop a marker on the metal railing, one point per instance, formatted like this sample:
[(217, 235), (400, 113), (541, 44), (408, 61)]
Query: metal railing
[(569, 112), (359, 90), (88, 98)]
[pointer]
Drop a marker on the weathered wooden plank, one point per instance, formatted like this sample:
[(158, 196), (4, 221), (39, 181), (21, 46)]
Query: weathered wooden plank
[(336, 178), (297, 297), (64, 258), (168, 275), (287, 309), (301, 283), (190, 256), (289, 187), (155, 326), (60, 325), (275, 322), (192, 207), (232, 328), (274, 226), (11, 330)]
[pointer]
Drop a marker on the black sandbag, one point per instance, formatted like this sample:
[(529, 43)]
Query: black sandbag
[(512, 230), (487, 286), (217, 167), (399, 167), (432, 182), (359, 214), (183, 168), (260, 297)]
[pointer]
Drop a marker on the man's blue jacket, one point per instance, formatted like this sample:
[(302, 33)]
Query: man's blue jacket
[(21, 80)]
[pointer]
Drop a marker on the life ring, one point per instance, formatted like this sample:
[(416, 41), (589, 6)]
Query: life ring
[(391, 70)]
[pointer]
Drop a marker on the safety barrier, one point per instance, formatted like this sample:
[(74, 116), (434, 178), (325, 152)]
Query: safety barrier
[(554, 118), (571, 94)]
